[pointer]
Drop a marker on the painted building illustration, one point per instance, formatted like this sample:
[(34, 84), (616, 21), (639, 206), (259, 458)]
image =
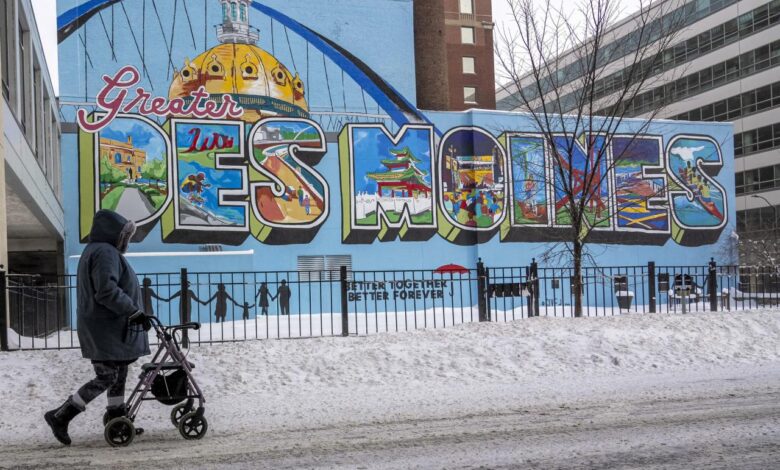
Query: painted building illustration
[(261, 84), (123, 156), (278, 134)]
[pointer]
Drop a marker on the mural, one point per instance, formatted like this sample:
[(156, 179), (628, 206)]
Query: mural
[(132, 168), (209, 124), (387, 182), (287, 193), (698, 201)]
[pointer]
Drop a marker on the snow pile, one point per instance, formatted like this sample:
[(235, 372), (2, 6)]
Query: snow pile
[(267, 383)]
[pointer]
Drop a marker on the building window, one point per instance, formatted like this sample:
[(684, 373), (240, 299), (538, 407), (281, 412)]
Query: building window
[(233, 11), (757, 140), (695, 47), (37, 115), (469, 94), (117, 158), (757, 220), (243, 12), (467, 7), (759, 179), (468, 65), (466, 35), (5, 45), (24, 80), (728, 71)]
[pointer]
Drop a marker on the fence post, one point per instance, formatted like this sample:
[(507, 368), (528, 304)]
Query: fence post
[(535, 291), (651, 285), (184, 306), (713, 285), (482, 291), (344, 303), (3, 311)]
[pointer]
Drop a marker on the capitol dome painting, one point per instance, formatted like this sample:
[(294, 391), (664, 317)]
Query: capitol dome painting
[(255, 79)]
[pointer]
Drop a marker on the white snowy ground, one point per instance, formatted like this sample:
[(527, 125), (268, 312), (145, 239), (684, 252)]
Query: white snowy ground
[(634, 391)]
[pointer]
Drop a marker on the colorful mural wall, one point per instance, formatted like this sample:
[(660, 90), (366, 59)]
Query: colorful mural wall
[(288, 130)]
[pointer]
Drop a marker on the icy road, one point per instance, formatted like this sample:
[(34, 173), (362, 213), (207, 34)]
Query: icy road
[(650, 391)]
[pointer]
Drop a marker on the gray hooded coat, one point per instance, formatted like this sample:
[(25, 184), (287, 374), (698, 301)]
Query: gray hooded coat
[(108, 293)]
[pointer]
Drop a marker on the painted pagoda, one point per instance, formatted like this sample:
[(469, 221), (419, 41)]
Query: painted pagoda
[(402, 177)]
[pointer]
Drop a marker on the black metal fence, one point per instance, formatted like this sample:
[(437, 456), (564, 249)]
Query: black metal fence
[(40, 313)]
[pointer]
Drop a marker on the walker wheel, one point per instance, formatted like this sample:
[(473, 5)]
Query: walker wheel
[(178, 411), (193, 426), (119, 432)]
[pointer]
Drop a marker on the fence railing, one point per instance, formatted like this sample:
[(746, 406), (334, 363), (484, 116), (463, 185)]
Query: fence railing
[(39, 312)]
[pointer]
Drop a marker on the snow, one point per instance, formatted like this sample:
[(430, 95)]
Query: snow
[(258, 391), (367, 322)]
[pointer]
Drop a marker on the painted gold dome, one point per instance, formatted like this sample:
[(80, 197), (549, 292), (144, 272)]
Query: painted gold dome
[(255, 79)]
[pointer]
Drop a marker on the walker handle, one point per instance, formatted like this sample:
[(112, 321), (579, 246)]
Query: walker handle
[(193, 325)]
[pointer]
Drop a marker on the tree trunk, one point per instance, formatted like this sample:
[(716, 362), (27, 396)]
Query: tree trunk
[(577, 281)]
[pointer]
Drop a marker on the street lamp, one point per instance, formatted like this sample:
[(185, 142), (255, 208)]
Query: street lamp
[(774, 209), (774, 225)]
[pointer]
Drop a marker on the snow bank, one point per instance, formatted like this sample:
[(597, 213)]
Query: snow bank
[(256, 383), (368, 322)]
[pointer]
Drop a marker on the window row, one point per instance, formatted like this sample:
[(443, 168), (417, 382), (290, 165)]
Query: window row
[(683, 16), (755, 220), (233, 12), (32, 104), (757, 140), (759, 179), (736, 107), (726, 33), (731, 70)]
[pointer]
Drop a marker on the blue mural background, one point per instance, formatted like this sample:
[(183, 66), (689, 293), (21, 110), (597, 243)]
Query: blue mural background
[(379, 33)]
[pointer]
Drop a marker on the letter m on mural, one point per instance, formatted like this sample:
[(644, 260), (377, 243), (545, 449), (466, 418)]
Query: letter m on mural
[(387, 183)]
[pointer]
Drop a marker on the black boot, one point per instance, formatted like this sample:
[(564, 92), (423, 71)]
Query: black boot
[(59, 418)]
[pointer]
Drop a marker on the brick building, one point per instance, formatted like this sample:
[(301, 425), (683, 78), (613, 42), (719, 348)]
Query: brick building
[(454, 54)]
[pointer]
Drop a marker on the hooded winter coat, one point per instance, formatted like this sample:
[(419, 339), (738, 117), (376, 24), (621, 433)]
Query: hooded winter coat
[(108, 293)]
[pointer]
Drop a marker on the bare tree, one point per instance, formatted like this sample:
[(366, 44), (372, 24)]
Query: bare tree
[(552, 60)]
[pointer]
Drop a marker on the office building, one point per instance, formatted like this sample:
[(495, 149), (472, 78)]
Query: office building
[(32, 223), (722, 67)]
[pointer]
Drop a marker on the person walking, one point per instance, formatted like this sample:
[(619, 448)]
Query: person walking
[(307, 204), (108, 294)]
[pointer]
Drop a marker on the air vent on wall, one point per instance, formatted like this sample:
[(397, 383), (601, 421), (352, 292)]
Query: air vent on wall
[(322, 267)]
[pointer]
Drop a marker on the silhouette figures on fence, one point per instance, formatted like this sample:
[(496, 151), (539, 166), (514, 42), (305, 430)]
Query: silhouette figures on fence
[(263, 299), (221, 296), (185, 308), (149, 294), (245, 309), (262, 295), (283, 294)]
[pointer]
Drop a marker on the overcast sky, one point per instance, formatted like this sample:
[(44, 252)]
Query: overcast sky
[(46, 18)]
